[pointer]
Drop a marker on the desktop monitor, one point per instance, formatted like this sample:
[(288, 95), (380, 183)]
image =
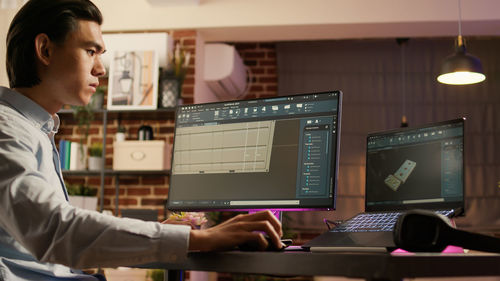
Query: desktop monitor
[(278, 153)]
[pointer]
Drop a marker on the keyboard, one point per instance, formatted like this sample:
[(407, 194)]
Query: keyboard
[(383, 221)]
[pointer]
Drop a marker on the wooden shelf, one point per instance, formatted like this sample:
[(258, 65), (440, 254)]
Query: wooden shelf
[(70, 111), (105, 115), (156, 114), (108, 172)]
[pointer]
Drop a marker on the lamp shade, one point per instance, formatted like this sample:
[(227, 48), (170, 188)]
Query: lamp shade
[(461, 68), (125, 81)]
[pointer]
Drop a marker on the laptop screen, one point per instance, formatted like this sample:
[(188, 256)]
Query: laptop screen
[(420, 167)]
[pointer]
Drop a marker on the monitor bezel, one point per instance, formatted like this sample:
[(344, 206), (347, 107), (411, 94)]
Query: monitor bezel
[(252, 208)]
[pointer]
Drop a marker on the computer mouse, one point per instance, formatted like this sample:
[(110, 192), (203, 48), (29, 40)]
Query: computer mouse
[(254, 246)]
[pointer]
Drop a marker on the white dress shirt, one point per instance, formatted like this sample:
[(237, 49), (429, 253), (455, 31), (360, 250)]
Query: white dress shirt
[(41, 234)]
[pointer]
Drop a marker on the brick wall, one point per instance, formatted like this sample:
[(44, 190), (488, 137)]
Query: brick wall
[(261, 58), (150, 191)]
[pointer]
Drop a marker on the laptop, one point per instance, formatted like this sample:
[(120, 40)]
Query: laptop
[(408, 168)]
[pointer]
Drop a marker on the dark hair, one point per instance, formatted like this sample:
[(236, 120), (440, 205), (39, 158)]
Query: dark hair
[(56, 18)]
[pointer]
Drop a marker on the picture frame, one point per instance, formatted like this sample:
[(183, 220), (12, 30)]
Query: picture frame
[(133, 80)]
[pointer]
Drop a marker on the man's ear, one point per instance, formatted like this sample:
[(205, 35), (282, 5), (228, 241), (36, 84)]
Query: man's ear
[(43, 48)]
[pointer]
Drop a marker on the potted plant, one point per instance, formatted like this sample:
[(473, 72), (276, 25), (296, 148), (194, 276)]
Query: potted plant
[(172, 78), (156, 274), (95, 156), (97, 99), (82, 196), (180, 62), (84, 115)]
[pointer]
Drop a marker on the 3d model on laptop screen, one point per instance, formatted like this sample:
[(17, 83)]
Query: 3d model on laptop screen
[(401, 175), (415, 166)]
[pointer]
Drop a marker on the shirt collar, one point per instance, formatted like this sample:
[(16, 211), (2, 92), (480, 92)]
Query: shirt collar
[(38, 116)]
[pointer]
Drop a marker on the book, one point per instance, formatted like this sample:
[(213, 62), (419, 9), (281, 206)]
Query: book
[(67, 154), (62, 152), (78, 156)]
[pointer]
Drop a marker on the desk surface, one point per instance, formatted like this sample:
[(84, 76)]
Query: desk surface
[(383, 266)]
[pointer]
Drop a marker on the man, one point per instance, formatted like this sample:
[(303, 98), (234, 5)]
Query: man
[(54, 52)]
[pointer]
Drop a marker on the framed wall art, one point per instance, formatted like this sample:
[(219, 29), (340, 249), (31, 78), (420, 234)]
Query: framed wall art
[(133, 80)]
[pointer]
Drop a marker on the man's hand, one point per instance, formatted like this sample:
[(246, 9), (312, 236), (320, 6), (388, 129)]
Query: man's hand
[(236, 231)]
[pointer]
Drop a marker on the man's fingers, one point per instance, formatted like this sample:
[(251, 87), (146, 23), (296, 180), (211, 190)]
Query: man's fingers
[(251, 241), (262, 216), (253, 227), (209, 240), (258, 242)]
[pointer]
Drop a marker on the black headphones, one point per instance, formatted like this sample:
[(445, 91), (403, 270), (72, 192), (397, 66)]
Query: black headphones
[(426, 231)]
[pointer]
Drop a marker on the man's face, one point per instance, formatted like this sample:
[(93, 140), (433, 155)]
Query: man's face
[(76, 66)]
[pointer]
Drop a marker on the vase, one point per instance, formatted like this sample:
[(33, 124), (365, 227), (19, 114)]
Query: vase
[(84, 202), (95, 163), (97, 101), (120, 136), (170, 88)]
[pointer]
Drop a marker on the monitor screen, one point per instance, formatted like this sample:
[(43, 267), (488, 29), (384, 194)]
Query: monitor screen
[(420, 167), (276, 153)]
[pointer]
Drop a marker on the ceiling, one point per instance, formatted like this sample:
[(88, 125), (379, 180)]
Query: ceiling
[(276, 20)]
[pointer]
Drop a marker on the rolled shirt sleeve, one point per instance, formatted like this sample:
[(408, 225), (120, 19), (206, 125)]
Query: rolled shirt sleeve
[(37, 216)]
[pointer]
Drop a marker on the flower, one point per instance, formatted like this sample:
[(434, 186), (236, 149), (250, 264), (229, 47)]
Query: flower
[(179, 62), (194, 218)]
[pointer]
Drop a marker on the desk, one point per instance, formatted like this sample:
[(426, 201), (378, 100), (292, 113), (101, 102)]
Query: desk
[(370, 266)]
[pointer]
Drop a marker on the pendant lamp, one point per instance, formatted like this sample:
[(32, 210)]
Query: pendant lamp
[(461, 68), (402, 42)]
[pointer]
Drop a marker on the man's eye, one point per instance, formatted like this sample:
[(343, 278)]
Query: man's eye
[(91, 52)]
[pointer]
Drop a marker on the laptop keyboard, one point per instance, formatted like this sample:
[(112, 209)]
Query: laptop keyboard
[(366, 222)]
